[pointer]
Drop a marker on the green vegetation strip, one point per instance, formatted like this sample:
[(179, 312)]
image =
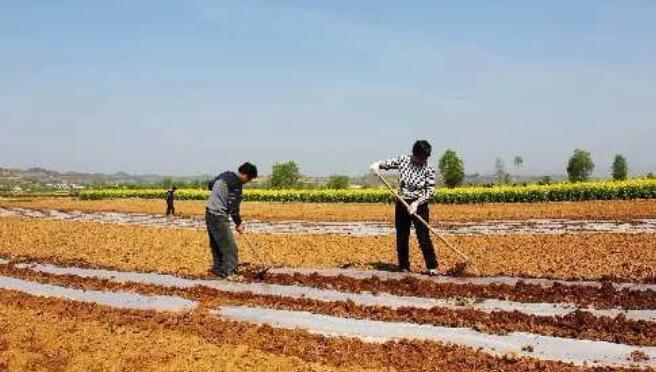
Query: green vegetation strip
[(611, 190)]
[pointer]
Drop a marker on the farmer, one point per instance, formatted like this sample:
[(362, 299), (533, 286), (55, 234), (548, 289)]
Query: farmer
[(224, 201), (170, 197), (417, 183)]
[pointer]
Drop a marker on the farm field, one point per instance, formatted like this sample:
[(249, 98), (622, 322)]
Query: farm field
[(329, 302), (273, 211), (602, 190), (327, 186), (630, 257), (43, 334)]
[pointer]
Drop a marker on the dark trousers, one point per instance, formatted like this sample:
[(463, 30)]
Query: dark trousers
[(170, 209), (403, 221), (222, 245)]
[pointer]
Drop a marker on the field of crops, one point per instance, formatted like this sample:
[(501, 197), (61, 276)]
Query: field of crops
[(631, 189), (81, 291)]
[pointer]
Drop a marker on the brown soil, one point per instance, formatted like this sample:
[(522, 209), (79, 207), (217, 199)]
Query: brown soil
[(580, 325), (604, 210), (36, 338), (626, 257), (604, 297), (199, 328)]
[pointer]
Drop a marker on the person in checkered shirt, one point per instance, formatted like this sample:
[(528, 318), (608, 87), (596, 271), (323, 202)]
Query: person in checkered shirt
[(417, 183)]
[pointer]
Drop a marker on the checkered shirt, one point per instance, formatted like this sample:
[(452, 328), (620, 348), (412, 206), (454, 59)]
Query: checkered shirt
[(417, 182)]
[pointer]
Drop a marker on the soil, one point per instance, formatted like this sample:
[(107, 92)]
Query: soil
[(343, 212), (317, 350), (579, 325), (623, 257)]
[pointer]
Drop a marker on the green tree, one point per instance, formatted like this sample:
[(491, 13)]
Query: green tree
[(620, 168), (452, 168), (285, 175), (518, 161), (580, 166), (167, 182), (338, 182)]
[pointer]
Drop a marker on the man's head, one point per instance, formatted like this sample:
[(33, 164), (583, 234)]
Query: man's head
[(247, 172), (174, 188), (421, 151)]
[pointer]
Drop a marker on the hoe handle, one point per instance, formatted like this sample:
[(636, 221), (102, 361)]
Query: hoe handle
[(434, 231)]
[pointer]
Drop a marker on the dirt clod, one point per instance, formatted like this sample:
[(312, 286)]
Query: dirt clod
[(638, 356)]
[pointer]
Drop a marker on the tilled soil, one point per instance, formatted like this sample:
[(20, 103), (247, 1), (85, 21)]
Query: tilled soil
[(625, 257), (34, 340), (327, 352), (340, 212), (38, 338), (349, 228), (605, 297), (579, 325)]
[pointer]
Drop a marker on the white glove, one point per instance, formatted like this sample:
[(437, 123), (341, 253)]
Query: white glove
[(375, 167), (412, 209)]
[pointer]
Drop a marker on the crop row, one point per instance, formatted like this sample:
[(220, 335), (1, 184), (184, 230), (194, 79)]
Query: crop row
[(610, 190)]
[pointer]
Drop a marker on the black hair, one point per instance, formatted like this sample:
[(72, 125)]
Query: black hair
[(248, 169), (422, 149), (174, 188)]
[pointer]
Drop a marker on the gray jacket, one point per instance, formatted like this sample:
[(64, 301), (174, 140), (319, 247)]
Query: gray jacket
[(226, 196)]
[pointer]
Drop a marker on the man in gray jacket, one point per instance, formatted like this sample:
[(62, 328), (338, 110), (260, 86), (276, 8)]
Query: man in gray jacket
[(224, 202)]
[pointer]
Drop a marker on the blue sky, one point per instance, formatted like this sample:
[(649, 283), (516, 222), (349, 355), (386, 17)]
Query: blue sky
[(193, 87)]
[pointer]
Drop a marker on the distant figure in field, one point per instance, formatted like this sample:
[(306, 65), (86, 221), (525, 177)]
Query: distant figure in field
[(225, 199), (170, 197)]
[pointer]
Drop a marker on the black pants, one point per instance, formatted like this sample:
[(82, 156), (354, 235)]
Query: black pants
[(403, 221), (170, 209), (222, 245)]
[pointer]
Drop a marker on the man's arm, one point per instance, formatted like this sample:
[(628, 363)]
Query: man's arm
[(234, 202)]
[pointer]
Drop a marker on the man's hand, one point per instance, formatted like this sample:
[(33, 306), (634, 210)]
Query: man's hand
[(412, 209), (375, 167), (240, 229)]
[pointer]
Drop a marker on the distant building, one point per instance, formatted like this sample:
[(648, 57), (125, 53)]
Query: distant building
[(64, 186)]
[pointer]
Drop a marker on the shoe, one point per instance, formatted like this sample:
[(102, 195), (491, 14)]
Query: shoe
[(433, 272), (405, 270), (219, 274)]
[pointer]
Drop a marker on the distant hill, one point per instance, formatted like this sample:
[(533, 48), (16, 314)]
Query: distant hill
[(45, 179), (41, 178)]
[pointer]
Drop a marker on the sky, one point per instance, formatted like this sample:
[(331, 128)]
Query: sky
[(197, 87)]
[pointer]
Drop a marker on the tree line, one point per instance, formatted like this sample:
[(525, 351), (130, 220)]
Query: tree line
[(579, 168), (287, 175)]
